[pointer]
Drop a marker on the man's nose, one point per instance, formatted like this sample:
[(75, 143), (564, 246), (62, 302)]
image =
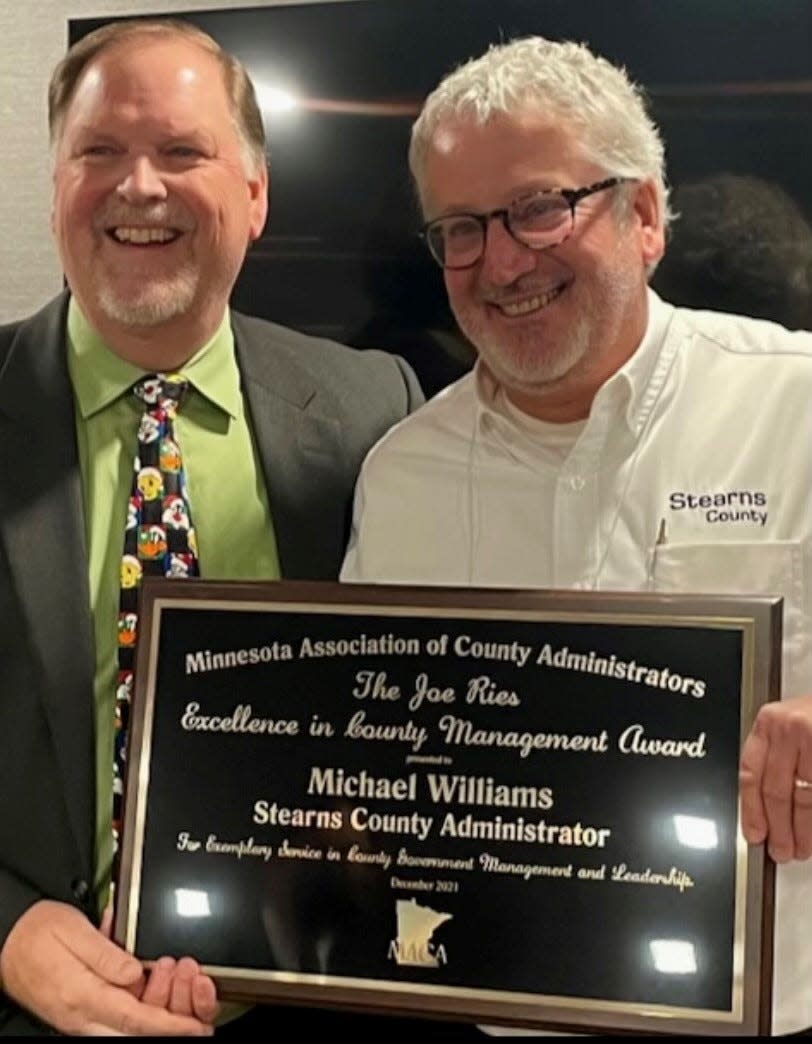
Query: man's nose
[(505, 258), (142, 182)]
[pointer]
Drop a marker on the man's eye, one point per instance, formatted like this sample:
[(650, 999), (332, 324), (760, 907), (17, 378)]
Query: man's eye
[(461, 229), (98, 150), (184, 152), (540, 208)]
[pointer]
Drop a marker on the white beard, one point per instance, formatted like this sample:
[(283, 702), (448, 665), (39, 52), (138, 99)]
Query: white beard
[(157, 302), (519, 360)]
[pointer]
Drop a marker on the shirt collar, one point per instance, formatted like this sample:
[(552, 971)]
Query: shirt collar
[(638, 381), (99, 376), (642, 374)]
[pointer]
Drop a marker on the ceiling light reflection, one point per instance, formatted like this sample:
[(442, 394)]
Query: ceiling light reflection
[(276, 99), (673, 956), (192, 903), (696, 832)]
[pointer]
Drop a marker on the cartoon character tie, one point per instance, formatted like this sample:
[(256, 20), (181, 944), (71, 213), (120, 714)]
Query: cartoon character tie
[(159, 541)]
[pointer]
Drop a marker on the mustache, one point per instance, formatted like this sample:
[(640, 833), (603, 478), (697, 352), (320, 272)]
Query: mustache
[(522, 287), (157, 215)]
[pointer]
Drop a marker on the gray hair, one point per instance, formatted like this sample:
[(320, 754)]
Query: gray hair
[(586, 92)]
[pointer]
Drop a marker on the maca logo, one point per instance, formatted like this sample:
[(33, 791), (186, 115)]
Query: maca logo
[(417, 956), (414, 946), (733, 505)]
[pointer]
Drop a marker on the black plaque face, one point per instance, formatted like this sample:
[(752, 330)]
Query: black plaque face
[(513, 807)]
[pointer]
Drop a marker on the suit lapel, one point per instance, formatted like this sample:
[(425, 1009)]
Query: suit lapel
[(297, 445), (42, 528)]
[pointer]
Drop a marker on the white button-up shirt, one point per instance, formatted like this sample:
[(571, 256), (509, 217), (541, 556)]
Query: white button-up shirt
[(693, 473)]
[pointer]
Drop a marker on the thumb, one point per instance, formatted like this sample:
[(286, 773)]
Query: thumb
[(104, 957), (751, 776)]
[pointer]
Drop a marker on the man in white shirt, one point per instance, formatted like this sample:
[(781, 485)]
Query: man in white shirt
[(604, 440)]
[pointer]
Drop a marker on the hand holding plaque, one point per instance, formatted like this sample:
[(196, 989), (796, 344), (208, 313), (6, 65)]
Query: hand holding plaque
[(776, 780)]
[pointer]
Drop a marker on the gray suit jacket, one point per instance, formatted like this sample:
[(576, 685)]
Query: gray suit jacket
[(315, 408)]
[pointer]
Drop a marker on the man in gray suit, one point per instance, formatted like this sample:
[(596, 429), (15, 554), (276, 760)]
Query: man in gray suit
[(159, 187)]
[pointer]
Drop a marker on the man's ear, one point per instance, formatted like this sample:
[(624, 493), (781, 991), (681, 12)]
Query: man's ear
[(648, 220), (52, 214), (258, 192)]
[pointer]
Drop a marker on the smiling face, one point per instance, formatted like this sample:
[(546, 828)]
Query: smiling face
[(153, 205), (550, 325)]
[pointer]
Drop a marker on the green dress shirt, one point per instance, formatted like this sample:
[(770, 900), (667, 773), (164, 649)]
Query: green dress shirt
[(227, 495)]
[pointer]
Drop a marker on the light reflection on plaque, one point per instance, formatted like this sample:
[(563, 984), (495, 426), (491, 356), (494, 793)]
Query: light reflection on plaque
[(191, 902), (696, 832), (674, 956)]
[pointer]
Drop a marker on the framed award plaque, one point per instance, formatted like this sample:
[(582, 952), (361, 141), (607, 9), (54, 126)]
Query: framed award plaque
[(506, 807)]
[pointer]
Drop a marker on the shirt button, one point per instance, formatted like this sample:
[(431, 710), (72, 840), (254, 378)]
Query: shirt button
[(576, 483), (80, 890)]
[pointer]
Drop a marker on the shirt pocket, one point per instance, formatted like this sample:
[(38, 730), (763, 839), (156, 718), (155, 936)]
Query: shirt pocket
[(769, 568)]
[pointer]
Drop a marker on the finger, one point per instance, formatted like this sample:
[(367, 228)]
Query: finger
[(97, 1029), (117, 1012), (106, 926), (159, 983), (802, 804), (158, 1023), (180, 1001), (751, 771), (802, 823), (204, 998), (777, 786)]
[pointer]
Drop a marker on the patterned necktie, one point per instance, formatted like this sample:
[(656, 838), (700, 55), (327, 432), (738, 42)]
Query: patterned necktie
[(159, 540)]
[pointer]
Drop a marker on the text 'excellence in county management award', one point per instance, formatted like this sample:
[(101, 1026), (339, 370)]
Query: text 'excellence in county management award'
[(514, 807)]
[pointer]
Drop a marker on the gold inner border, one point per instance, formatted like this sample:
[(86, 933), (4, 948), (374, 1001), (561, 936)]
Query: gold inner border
[(542, 1001)]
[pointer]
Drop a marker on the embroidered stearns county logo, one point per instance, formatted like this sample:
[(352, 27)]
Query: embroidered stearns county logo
[(748, 506), (414, 945)]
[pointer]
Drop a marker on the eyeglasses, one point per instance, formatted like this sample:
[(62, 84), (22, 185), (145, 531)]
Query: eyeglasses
[(539, 221)]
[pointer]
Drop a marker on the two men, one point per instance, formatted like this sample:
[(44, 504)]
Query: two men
[(159, 188), (604, 440)]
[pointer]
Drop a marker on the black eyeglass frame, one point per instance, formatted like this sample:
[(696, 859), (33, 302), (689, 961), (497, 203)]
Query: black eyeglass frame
[(572, 197)]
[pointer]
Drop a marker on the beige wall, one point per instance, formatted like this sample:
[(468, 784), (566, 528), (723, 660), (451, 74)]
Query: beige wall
[(33, 36)]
